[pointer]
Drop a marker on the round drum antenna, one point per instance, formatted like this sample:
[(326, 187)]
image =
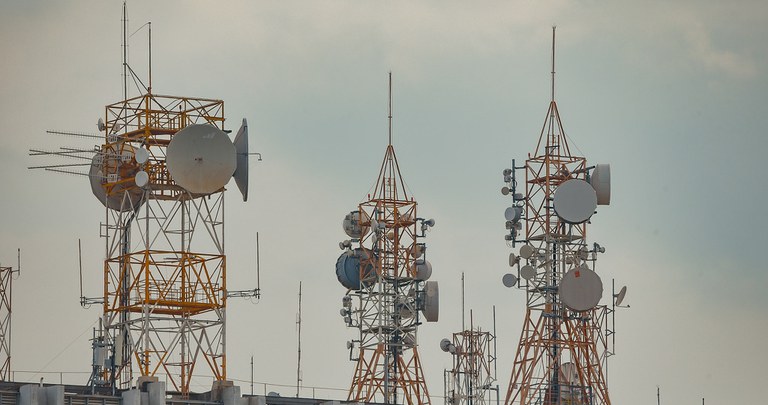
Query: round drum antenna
[(575, 201)]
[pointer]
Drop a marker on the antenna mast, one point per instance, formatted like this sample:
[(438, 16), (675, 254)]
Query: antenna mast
[(125, 51), (553, 62), (298, 366), (390, 109), (462, 302), (149, 90)]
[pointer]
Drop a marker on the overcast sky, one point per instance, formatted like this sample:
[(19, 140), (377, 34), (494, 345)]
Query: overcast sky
[(671, 94)]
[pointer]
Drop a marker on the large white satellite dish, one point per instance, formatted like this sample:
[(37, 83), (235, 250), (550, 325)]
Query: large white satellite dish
[(581, 289), (601, 182), (201, 158), (241, 170), (431, 301), (575, 201)]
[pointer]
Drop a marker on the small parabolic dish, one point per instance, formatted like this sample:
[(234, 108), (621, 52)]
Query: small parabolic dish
[(620, 296), (581, 289), (132, 200), (512, 260), (575, 201), (431, 301), (527, 251), (509, 280), (423, 270), (528, 272), (417, 251), (241, 170), (601, 182), (505, 190), (348, 269), (141, 155), (445, 344), (513, 213), (353, 224), (141, 179), (201, 158)]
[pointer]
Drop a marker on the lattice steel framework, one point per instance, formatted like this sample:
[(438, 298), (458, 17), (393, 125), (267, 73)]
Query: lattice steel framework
[(165, 290), (388, 368), (6, 289), (553, 335), (470, 380)]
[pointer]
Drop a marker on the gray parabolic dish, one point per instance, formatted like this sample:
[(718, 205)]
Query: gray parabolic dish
[(528, 272), (575, 201), (114, 202), (581, 289), (353, 224), (241, 172), (509, 280), (201, 158), (527, 251), (431, 301), (620, 296), (445, 344), (601, 182), (423, 270)]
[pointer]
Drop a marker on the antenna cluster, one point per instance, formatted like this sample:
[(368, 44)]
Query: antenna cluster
[(384, 266), (160, 170), (556, 267)]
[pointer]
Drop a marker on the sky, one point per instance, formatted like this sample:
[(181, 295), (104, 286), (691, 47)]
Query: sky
[(671, 94)]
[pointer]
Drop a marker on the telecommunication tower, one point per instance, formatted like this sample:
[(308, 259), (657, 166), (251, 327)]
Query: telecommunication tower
[(472, 378), (384, 267), (563, 349), (161, 172), (6, 310)]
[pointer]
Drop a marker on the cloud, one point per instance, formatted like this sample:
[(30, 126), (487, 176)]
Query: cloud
[(702, 49)]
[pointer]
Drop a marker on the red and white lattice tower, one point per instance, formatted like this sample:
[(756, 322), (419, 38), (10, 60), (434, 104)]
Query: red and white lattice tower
[(384, 267), (563, 348)]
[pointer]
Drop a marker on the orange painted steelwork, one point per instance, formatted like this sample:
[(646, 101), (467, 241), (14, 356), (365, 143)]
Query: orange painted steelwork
[(388, 368), (164, 303), (552, 334)]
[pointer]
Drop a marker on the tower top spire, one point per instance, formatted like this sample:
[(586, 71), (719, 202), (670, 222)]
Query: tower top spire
[(389, 115), (554, 27)]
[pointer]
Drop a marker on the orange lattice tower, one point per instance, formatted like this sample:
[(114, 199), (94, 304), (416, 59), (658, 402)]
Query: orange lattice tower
[(387, 271), (160, 171), (562, 353)]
